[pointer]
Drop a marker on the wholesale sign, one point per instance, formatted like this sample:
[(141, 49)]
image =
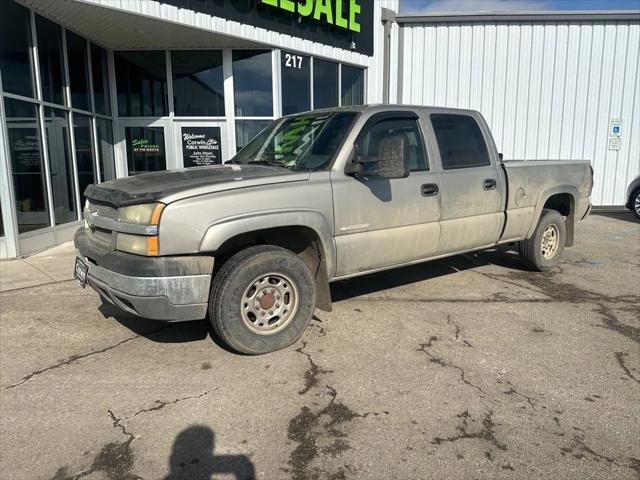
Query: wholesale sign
[(201, 146)]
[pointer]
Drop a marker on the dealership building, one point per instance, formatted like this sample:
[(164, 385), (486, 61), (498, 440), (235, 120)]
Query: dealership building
[(93, 90)]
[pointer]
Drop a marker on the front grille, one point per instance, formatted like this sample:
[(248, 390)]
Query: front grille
[(103, 210), (103, 238)]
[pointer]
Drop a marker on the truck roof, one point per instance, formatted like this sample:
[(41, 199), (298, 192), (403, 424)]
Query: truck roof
[(385, 107)]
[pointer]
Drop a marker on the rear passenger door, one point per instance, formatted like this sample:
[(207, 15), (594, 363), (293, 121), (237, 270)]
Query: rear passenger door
[(472, 186)]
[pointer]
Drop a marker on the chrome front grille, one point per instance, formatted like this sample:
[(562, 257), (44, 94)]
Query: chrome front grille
[(103, 210), (103, 238)]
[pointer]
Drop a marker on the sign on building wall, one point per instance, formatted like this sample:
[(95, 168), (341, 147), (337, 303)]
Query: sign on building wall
[(344, 24), (201, 146)]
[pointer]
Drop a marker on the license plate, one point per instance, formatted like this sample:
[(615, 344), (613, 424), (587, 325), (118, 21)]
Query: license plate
[(80, 272)]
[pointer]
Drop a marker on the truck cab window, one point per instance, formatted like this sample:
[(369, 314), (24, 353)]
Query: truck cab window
[(460, 141), (407, 127)]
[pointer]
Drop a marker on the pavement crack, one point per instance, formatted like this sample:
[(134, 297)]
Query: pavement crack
[(77, 357), (620, 359), (444, 363), (314, 371), (612, 322), (579, 450), (160, 404), (486, 433), (512, 391), (458, 331)]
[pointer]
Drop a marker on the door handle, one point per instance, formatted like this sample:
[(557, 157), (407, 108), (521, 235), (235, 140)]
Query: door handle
[(429, 190), (489, 184)]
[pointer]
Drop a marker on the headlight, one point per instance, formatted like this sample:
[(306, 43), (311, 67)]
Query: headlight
[(144, 214), (138, 244)]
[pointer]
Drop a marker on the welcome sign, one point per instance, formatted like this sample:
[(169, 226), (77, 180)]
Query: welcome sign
[(346, 24)]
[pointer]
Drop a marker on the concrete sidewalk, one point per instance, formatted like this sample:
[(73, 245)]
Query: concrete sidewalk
[(50, 266)]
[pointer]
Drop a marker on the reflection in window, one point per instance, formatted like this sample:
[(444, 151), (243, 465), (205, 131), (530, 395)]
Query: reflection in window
[(60, 165), (15, 42), (84, 152), (352, 85), (100, 75), (296, 86), (141, 80), (78, 71), (198, 83), (27, 168), (253, 90), (325, 84), (1, 223), (145, 149), (247, 129), (50, 59), (105, 149)]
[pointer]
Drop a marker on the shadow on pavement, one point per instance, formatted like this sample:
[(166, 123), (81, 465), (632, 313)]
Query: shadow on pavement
[(625, 216), (376, 282), (193, 458)]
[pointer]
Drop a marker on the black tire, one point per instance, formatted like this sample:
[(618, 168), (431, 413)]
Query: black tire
[(227, 299), (634, 203), (531, 250)]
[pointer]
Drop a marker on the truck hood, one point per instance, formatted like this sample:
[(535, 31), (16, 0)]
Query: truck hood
[(171, 185)]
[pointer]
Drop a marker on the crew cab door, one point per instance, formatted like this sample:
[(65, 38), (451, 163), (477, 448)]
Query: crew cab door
[(384, 222), (472, 184)]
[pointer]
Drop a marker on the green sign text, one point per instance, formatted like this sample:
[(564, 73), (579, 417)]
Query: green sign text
[(328, 11)]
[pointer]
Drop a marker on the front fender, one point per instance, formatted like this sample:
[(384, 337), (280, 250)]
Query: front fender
[(229, 227)]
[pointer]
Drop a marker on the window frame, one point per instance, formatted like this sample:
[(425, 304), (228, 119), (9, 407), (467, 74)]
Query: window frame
[(394, 115), (437, 144)]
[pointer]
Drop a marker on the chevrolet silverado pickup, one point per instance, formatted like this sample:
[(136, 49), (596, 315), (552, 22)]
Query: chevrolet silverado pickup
[(252, 245)]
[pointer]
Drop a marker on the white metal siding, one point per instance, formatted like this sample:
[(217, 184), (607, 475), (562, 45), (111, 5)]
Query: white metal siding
[(547, 89)]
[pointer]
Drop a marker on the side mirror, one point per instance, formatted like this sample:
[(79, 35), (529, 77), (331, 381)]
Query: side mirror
[(392, 160)]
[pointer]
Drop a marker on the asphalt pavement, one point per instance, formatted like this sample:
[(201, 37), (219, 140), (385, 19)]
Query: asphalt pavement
[(464, 368)]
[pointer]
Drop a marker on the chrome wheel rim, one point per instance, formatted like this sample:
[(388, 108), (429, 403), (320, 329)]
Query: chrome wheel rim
[(636, 204), (550, 241), (269, 303)]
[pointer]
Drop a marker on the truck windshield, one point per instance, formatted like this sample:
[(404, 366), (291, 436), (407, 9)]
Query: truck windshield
[(304, 142)]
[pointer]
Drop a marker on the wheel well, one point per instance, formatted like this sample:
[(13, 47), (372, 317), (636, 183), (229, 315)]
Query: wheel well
[(564, 204), (301, 240)]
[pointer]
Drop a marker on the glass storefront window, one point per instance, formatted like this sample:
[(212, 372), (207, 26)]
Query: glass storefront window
[(100, 76), (352, 85), (296, 83), (252, 83), (29, 185), (325, 84), (15, 44), (141, 81), (56, 126), (198, 83), (78, 71), (247, 129), (84, 152), (50, 60), (105, 149), (1, 223), (145, 149)]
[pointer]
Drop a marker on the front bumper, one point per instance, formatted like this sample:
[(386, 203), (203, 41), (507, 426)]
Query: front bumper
[(159, 288)]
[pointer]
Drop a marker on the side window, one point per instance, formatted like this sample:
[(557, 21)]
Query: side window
[(407, 127), (460, 141)]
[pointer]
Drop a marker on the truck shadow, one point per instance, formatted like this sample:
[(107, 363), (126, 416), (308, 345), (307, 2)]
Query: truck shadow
[(503, 256), (193, 331)]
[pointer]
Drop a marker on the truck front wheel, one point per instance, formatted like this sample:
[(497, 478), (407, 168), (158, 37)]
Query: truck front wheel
[(262, 300), (542, 251)]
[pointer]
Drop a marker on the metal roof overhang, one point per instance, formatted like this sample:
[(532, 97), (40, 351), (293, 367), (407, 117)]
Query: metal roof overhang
[(121, 30)]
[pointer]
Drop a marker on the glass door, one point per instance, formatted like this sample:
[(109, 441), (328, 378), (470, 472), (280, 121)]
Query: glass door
[(200, 143), (146, 146)]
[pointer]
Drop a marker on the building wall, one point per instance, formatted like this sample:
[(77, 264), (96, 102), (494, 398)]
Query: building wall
[(548, 89)]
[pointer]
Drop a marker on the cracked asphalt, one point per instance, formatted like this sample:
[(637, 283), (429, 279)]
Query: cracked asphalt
[(467, 368)]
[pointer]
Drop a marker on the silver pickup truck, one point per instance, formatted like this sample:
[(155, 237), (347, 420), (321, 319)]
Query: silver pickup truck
[(253, 244)]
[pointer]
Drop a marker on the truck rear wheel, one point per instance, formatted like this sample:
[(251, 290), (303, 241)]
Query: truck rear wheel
[(262, 300), (542, 251)]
